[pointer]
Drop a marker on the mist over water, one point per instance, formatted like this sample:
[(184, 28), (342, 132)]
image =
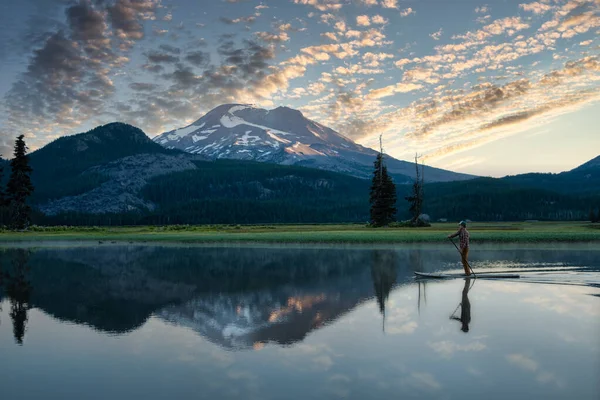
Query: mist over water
[(272, 322)]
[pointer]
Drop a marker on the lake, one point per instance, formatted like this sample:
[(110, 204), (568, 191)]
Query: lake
[(131, 321)]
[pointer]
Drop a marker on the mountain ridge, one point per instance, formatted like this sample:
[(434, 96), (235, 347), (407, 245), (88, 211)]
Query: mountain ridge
[(116, 173), (284, 136)]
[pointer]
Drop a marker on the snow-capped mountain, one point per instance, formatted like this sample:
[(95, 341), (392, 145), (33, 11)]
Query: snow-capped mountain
[(284, 136)]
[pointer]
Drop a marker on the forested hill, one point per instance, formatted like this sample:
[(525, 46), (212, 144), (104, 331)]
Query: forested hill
[(237, 192)]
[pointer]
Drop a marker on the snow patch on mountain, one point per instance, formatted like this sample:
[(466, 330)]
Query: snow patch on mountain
[(186, 131), (231, 121)]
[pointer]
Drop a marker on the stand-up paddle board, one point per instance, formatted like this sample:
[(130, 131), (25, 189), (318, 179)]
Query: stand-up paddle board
[(477, 276)]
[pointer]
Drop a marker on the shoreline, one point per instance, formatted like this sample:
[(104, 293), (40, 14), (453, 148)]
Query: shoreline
[(481, 233)]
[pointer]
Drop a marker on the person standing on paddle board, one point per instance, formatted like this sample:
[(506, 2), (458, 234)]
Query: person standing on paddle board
[(463, 235)]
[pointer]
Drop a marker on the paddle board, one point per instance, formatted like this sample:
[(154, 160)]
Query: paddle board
[(482, 275)]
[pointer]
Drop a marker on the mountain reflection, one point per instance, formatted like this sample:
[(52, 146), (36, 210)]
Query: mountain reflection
[(237, 298)]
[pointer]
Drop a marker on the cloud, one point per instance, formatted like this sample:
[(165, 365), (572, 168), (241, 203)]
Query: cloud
[(160, 32), (536, 7), (406, 12), (363, 20), (198, 58), (508, 25), (375, 59), (86, 22), (357, 69), (170, 49), (389, 3), (368, 3), (126, 17), (340, 26), (422, 380), (67, 78), (482, 9), (379, 20), (248, 60), (273, 37), (436, 35), (523, 362), (143, 87), (330, 36), (159, 58), (393, 89), (406, 328), (447, 348), (322, 5), (249, 20)]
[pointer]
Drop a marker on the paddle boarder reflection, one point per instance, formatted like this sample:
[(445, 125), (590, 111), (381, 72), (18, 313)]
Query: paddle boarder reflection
[(465, 307)]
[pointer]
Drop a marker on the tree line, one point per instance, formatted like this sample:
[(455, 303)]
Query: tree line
[(14, 208)]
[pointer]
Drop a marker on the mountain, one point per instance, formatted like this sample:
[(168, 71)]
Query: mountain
[(101, 170), (592, 164), (117, 170), (116, 175), (581, 180), (284, 136)]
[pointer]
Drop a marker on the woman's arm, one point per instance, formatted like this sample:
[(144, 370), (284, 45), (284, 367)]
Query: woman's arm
[(454, 235)]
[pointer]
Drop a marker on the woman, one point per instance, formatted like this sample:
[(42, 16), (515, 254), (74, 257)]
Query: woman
[(463, 234)]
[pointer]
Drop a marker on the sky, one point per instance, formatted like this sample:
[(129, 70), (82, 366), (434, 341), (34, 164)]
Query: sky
[(490, 88)]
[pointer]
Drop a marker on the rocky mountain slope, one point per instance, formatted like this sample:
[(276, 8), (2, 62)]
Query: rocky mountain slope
[(101, 171)]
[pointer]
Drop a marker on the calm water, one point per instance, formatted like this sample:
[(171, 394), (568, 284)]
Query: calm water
[(123, 322)]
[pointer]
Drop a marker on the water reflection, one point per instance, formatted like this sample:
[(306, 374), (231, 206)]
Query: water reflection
[(14, 281), (465, 307), (383, 274), (272, 323), (238, 298)]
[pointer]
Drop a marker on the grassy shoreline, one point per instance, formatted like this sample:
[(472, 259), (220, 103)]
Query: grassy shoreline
[(521, 232)]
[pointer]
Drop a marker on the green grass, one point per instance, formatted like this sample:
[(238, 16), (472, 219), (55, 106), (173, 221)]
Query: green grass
[(522, 232)]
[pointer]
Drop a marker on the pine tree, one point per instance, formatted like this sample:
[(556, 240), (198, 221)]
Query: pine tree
[(19, 186), (416, 198), (383, 195), (2, 194), (592, 215)]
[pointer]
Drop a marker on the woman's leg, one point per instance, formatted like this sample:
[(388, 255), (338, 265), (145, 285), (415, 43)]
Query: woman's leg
[(465, 262)]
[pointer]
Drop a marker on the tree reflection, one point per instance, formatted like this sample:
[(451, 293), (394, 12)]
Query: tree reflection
[(383, 273), (18, 289), (465, 308)]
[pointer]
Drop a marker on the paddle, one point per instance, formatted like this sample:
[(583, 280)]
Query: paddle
[(457, 249)]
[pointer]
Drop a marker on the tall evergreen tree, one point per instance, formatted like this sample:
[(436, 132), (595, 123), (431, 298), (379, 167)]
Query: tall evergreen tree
[(383, 195), (592, 215), (19, 186), (416, 198), (3, 200)]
